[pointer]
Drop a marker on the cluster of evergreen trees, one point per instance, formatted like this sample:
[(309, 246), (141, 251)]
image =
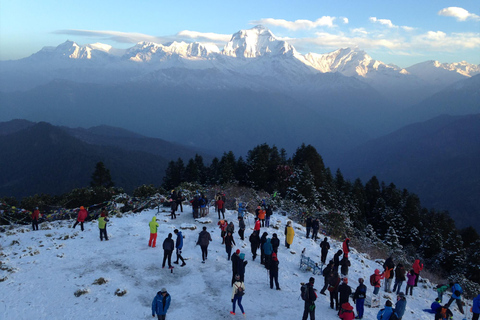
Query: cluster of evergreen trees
[(374, 210)]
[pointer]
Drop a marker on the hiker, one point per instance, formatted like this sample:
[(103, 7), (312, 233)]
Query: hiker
[(441, 289), (457, 296), (476, 307), (400, 306), (263, 240), (274, 271), (219, 203), (178, 247), (388, 267), (257, 225), (102, 226), (268, 213), (333, 284), (241, 228), (82, 215), (173, 208), (160, 304), (315, 227), (228, 244), (267, 253), (308, 225), (375, 281), (254, 243), (241, 264), (223, 224), (417, 267), (178, 201), (434, 306), (261, 216), (230, 228), (325, 247), (237, 294), (168, 246), (346, 312), (410, 282), (311, 296), (275, 243), (289, 234), (385, 313), (326, 275), (443, 313), (344, 292), (241, 210), (195, 206), (344, 263), (336, 260), (203, 205), (234, 258), (203, 241), (153, 232), (359, 298), (346, 247), (35, 217), (399, 278)]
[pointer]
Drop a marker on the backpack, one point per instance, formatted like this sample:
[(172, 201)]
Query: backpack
[(304, 292), (240, 291), (372, 280), (393, 316)]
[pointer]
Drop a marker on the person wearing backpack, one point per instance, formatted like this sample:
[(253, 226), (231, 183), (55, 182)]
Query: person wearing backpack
[(346, 247), (267, 252), (204, 239), (326, 274), (263, 240), (241, 228), (268, 213), (441, 289), (308, 225), (359, 298), (443, 313), (237, 293), (385, 313), (275, 243), (344, 292), (333, 284), (400, 306), (315, 227), (35, 217), (168, 246), (375, 281), (325, 246), (399, 278), (229, 243), (309, 296), (344, 263), (417, 267), (274, 271), (410, 282), (457, 296), (388, 266)]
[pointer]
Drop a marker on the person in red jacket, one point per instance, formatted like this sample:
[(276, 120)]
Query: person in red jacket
[(346, 312), (35, 217), (417, 267), (346, 247), (257, 225), (376, 280), (220, 205), (82, 215)]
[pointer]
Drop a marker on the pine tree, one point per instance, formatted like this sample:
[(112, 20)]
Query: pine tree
[(227, 168), (101, 176)]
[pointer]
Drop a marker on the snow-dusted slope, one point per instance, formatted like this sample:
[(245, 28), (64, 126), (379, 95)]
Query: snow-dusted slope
[(42, 270)]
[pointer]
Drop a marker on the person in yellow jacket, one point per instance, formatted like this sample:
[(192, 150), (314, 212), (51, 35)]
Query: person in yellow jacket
[(102, 225), (289, 234), (153, 232)]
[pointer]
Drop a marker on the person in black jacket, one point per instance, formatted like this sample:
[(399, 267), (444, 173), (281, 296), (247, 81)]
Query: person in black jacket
[(241, 228), (326, 274), (254, 243), (333, 284), (308, 224), (315, 227), (235, 258), (344, 292), (274, 271), (241, 264), (263, 240), (229, 242), (168, 246), (204, 239), (275, 242), (309, 308), (336, 260), (325, 247), (399, 278), (359, 298), (344, 263)]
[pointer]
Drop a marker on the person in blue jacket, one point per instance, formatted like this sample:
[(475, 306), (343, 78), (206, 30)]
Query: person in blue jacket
[(179, 246), (457, 296), (386, 312), (476, 307), (401, 305), (160, 304)]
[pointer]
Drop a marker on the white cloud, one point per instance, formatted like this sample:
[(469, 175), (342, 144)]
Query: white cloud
[(458, 13), (385, 22), (406, 28), (202, 36), (325, 21), (122, 37), (434, 40), (344, 20), (360, 30)]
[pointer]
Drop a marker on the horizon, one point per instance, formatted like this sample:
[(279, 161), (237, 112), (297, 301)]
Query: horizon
[(401, 34)]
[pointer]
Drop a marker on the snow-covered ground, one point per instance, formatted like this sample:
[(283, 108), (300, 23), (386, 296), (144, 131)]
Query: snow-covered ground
[(42, 270)]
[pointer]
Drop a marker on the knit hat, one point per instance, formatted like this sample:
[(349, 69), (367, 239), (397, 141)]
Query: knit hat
[(163, 290), (401, 295), (388, 303), (312, 280), (242, 256), (238, 251), (345, 280)]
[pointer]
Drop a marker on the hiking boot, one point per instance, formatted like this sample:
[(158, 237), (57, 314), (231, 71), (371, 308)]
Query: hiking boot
[(203, 261), (183, 264), (231, 312), (176, 262), (279, 289)]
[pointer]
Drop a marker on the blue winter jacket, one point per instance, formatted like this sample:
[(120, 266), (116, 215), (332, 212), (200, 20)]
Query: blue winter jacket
[(385, 313), (400, 307), (179, 244), (267, 247), (456, 287), (476, 304), (160, 304)]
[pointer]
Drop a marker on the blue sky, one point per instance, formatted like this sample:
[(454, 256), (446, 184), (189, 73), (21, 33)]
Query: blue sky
[(399, 32)]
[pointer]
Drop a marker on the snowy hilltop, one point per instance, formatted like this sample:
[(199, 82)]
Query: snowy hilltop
[(64, 273)]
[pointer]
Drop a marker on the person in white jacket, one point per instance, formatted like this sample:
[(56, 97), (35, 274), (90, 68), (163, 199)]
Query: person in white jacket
[(238, 291)]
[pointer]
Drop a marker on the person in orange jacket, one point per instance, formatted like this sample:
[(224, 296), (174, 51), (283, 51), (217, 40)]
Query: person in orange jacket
[(35, 217), (261, 216), (417, 267), (346, 247), (82, 215)]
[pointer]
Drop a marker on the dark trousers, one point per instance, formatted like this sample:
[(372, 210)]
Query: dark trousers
[(167, 254), (228, 249), (179, 205), (237, 299), (308, 232), (334, 299), (416, 278), (411, 289), (35, 224), (81, 224), (325, 286), (161, 316), (241, 233), (103, 233), (475, 316), (314, 234), (307, 311), (274, 277), (254, 251), (360, 307), (324, 256), (459, 304), (222, 212), (179, 255), (204, 252)]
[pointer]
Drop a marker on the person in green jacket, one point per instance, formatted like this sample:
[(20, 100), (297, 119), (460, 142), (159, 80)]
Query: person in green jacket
[(153, 232), (102, 225)]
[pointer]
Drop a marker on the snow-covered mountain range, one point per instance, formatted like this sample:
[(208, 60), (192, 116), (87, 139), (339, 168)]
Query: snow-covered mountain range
[(249, 53)]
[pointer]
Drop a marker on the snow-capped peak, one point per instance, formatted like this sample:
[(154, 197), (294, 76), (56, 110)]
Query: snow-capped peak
[(255, 42)]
